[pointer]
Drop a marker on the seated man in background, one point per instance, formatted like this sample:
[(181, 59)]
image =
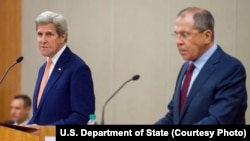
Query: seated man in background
[(20, 110)]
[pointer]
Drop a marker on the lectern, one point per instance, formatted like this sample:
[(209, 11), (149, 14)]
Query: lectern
[(19, 133)]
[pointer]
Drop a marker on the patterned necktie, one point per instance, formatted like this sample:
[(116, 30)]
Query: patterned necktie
[(44, 80), (185, 85)]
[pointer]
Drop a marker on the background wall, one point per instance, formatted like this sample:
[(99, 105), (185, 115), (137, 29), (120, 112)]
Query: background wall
[(121, 38), (10, 45)]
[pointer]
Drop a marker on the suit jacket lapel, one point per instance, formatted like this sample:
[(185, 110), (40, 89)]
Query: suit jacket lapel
[(52, 80), (203, 75), (39, 79), (55, 75), (178, 91)]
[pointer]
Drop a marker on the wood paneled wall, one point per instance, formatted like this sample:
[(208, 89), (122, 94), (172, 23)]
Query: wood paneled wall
[(10, 45)]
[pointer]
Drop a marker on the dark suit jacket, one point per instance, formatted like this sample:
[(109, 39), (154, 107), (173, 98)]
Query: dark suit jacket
[(68, 97), (218, 95)]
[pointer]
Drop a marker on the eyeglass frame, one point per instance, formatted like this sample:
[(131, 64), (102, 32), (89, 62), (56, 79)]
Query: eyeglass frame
[(185, 35)]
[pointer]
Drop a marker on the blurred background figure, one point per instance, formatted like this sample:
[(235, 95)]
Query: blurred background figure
[(20, 110)]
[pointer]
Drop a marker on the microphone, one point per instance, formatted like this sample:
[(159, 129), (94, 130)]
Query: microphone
[(18, 60), (135, 77)]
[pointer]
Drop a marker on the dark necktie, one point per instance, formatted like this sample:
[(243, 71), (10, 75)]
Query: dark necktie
[(184, 89)]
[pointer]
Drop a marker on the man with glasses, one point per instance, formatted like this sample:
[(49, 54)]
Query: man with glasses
[(214, 91)]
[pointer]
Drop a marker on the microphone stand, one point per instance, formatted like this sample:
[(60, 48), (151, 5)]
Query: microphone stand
[(17, 61), (133, 78)]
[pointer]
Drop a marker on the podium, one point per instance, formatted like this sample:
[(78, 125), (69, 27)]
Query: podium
[(19, 133)]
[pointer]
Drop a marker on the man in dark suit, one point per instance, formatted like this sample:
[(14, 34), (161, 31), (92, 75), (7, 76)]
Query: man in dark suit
[(68, 96), (217, 91), (20, 110)]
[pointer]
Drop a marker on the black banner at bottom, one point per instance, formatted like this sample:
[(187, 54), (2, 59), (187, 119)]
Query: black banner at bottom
[(94, 132)]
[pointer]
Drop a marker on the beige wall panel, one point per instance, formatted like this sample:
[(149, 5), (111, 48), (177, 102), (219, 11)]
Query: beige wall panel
[(242, 50), (91, 37), (140, 39)]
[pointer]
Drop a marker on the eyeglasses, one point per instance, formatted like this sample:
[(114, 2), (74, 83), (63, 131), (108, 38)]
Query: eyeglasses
[(185, 35)]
